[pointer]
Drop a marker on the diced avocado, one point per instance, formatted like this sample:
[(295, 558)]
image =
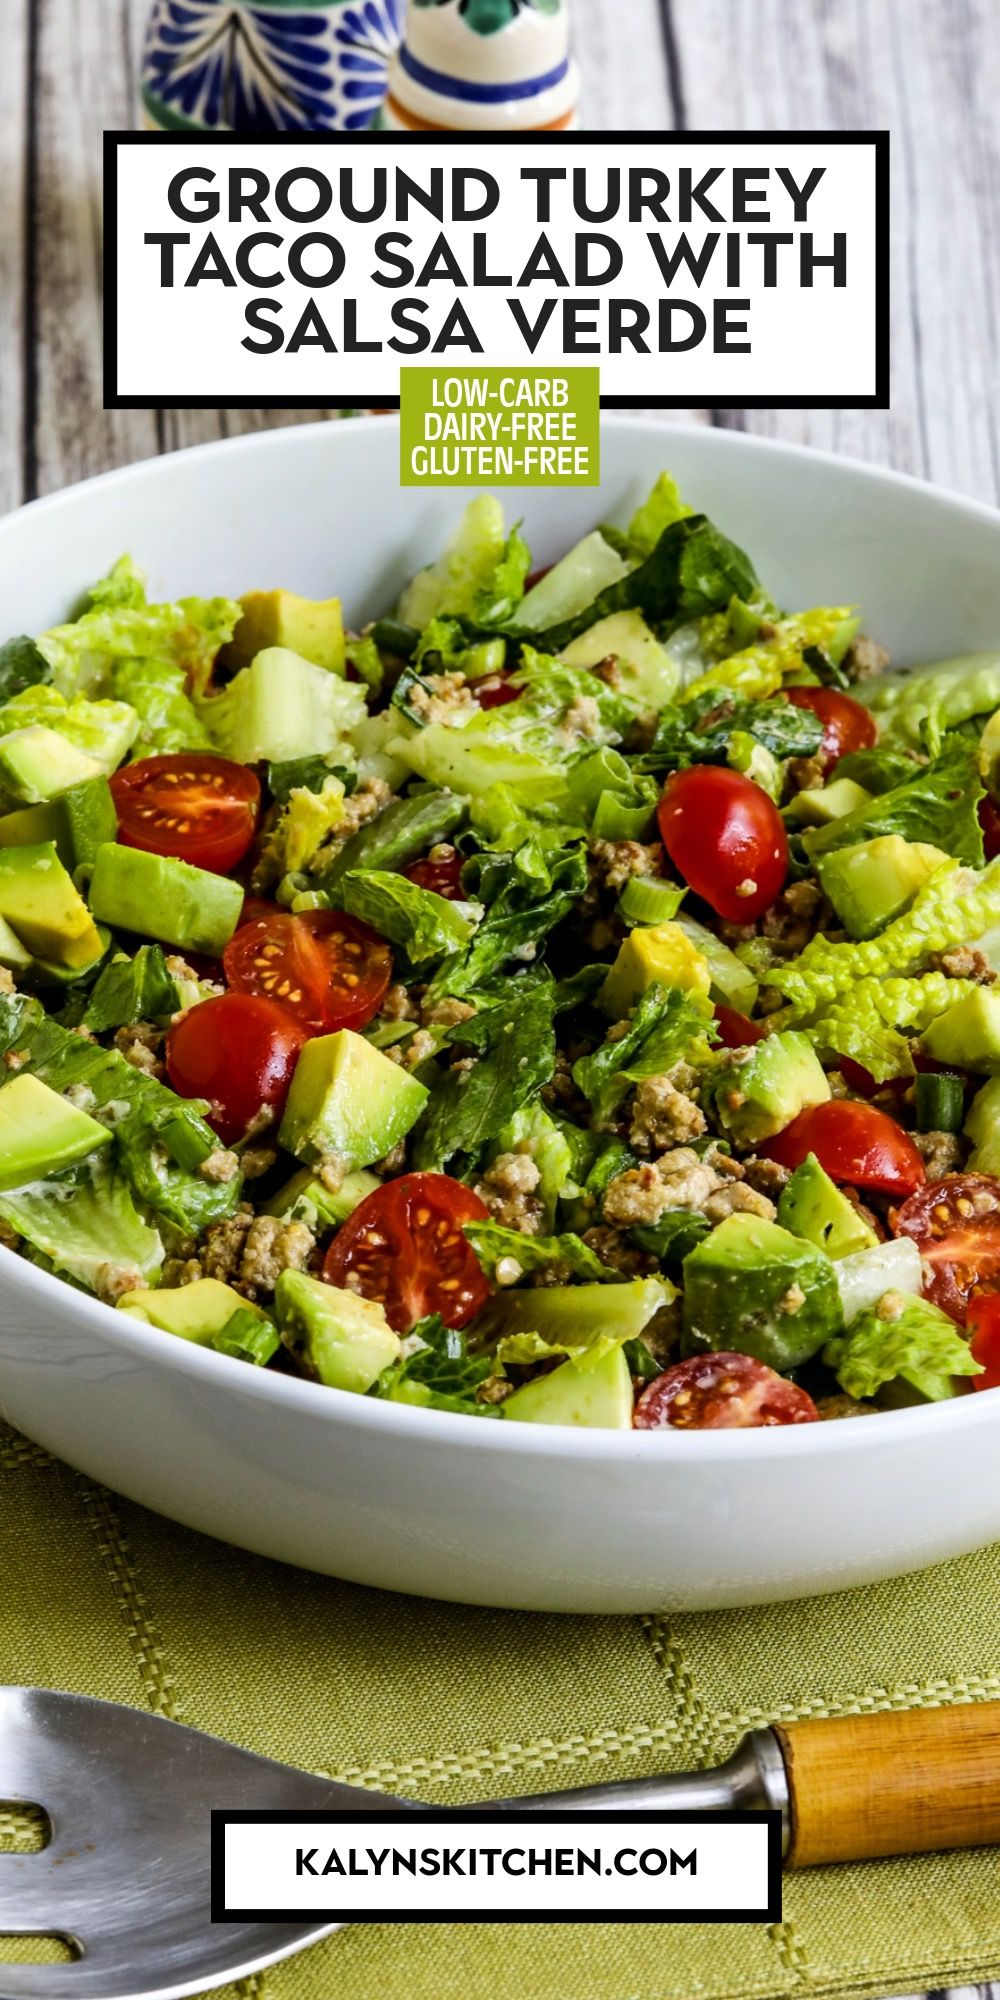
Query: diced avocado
[(820, 805), (314, 630), (347, 1098), (37, 763), (967, 1036), (875, 881), (13, 954), (40, 903), (982, 1126), (40, 1132), (812, 1206), (732, 982), (654, 954), (570, 1315), (754, 1288), (283, 707), (78, 821), (757, 1094), (597, 1396), (341, 1339), (194, 1312), (648, 676), (305, 1199), (165, 899)]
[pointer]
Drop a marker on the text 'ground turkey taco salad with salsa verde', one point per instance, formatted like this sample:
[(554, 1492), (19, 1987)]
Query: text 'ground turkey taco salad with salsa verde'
[(572, 1000)]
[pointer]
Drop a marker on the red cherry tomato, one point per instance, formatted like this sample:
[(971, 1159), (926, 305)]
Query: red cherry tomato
[(495, 691), (443, 877), (955, 1223), (984, 1323), (737, 1031), (328, 969), (239, 1052), (855, 1143), (721, 1392), (846, 725), (989, 820), (404, 1247), (726, 837), (198, 808)]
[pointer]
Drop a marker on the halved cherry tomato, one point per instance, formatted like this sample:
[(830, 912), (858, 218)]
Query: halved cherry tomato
[(721, 1392), (238, 1051), (856, 1143), (989, 820), (404, 1247), (846, 724), (190, 805), (328, 969), (443, 877), (726, 837), (737, 1031), (495, 691), (984, 1323), (955, 1223)]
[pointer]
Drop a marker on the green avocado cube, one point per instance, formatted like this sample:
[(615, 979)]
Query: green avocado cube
[(595, 1395), (348, 1099), (314, 630), (339, 1338), (165, 899), (823, 804), (572, 1315), (40, 1132), (982, 1126), (967, 1036), (876, 880), (78, 822), (305, 1199), (750, 1287), (648, 677), (812, 1206), (193, 1312), (44, 909), (757, 1092), (36, 763)]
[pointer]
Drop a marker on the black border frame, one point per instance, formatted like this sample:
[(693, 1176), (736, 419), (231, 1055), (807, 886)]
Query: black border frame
[(115, 140), (441, 1815)]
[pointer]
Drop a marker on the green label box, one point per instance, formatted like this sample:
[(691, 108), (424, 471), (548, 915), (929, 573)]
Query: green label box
[(500, 427)]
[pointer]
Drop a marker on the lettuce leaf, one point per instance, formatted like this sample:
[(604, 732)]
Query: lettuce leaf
[(22, 665), (480, 576), (441, 1375), (758, 670), (533, 1131), (121, 625), (168, 719), (527, 893), (491, 1243), (865, 1025), (943, 696), (106, 730), (938, 804), (954, 907), (132, 989), (400, 834), (84, 1222), (665, 1024), (611, 795), (700, 731), (663, 507), (694, 568), (901, 1339), (468, 1107), (425, 925)]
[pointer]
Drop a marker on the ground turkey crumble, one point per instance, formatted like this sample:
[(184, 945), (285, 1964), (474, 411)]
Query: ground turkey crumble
[(507, 1189), (713, 1187), (941, 1152), (964, 962), (142, 1046), (612, 863), (246, 1251), (447, 698), (663, 1114)]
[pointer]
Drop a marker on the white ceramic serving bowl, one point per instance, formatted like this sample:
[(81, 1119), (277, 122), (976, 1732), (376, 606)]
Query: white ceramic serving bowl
[(454, 1507)]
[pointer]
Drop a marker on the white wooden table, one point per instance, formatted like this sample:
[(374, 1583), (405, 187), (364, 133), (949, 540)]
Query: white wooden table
[(927, 70)]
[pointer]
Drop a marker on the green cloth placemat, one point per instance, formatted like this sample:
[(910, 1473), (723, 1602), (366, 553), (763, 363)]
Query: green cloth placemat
[(451, 1704)]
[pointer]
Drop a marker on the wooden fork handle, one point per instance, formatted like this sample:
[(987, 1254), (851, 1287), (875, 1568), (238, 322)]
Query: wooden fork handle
[(906, 1783)]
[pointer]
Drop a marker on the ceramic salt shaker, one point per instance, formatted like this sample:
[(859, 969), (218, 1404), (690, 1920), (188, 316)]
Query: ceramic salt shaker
[(483, 66), (239, 66)]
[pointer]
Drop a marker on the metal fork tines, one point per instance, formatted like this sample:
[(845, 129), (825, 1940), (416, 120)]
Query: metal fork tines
[(125, 1877)]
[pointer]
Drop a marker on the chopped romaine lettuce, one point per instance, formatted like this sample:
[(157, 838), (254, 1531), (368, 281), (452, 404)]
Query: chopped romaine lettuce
[(656, 514), (701, 731), (441, 1374), (405, 830), (565, 1255), (168, 719), (938, 804), (106, 730), (944, 695), (516, 1047), (693, 569), (866, 1023), (901, 1339), (527, 894), (84, 1222), (132, 989), (425, 925), (22, 666), (480, 576), (666, 1024), (122, 626)]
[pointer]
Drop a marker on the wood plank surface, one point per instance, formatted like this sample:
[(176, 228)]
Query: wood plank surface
[(926, 70)]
